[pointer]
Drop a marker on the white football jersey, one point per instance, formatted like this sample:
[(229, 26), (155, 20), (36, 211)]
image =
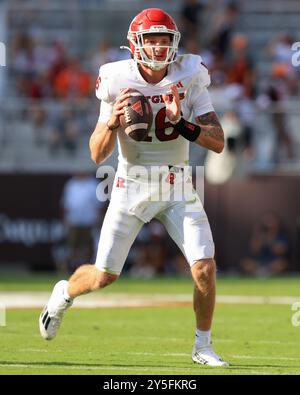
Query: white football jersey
[(163, 146)]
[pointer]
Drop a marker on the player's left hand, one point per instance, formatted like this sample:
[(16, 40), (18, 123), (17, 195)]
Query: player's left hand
[(172, 102)]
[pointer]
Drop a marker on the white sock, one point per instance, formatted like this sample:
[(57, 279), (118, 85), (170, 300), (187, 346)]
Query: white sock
[(66, 294), (202, 338)]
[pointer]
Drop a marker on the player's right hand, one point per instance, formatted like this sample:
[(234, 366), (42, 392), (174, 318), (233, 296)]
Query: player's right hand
[(118, 108)]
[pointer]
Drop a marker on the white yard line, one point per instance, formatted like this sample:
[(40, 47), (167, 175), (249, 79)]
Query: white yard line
[(100, 367), (153, 369), (39, 299), (185, 355), (257, 299), (150, 369), (216, 340), (230, 356), (266, 357)]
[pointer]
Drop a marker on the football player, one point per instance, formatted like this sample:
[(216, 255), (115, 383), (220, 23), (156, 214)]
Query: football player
[(182, 113)]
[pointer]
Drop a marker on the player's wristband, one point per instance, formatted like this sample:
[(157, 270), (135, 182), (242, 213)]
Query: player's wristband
[(188, 130)]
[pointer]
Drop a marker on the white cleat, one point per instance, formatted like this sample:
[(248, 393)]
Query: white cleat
[(206, 356), (52, 314)]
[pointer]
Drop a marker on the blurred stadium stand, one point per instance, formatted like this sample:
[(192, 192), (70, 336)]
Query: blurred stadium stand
[(24, 129), (45, 133)]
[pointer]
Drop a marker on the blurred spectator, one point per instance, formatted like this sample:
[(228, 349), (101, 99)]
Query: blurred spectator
[(151, 252), (224, 96), (58, 58), (280, 48), (269, 251), (181, 266), (24, 64), (278, 89), (190, 18), (220, 167), (38, 87), (37, 116), (157, 246), (105, 53), (81, 211), (63, 130), (247, 111), (72, 81), (239, 68), (280, 53), (192, 45), (232, 130), (276, 92), (35, 65), (223, 25), (23, 54), (143, 267)]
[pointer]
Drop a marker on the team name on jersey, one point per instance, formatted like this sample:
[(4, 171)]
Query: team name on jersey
[(159, 99)]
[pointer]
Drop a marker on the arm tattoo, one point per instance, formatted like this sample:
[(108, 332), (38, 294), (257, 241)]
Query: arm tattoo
[(210, 126)]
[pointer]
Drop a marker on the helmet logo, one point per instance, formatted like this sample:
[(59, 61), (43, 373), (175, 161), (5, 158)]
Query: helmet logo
[(157, 27)]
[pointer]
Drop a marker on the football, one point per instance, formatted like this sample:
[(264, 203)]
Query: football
[(137, 119)]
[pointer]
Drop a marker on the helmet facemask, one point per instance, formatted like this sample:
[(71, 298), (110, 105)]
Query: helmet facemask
[(140, 55)]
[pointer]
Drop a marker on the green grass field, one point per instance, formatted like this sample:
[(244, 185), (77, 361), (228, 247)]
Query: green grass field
[(254, 338)]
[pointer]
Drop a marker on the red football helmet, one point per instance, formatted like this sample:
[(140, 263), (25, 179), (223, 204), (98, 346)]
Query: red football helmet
[(150, 21)]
